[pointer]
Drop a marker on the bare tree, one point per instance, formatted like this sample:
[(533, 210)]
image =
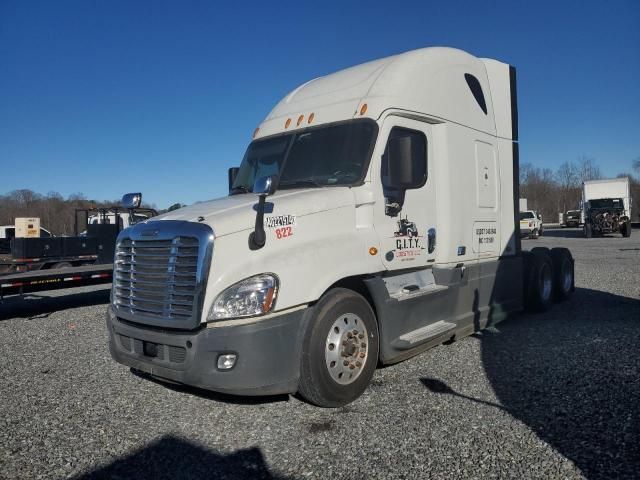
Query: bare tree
[(588, 169)]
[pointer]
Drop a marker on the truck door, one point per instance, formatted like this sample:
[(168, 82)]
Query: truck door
[(406, 221)]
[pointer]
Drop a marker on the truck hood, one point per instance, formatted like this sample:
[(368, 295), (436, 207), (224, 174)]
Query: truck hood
[(236, 213)]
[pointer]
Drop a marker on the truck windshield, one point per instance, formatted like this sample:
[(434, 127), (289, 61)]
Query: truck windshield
[(322, 156), (525, 215), (606, 203)]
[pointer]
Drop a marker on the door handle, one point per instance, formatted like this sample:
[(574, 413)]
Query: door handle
[(431, 240)]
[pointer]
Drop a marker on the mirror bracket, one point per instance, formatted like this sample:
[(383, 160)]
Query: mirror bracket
[(263, 187)]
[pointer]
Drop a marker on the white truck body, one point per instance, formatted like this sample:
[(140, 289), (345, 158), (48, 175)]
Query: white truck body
[(606, 206), (436, 257), (523, 205), (607, 188)]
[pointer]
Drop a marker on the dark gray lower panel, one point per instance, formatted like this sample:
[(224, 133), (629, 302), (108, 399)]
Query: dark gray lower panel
[(470, 297), (268, 354)]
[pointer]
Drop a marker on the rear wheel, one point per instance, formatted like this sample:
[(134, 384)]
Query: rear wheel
[(626, 229), (61, 265), (340, 349), (563, 273), (538, 280), (588, 231)]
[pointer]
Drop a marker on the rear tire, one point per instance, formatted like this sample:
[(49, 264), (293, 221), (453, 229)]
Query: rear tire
[(538, 283), (61, 265), (588, 231), (626, 229), (343, 329), (563, 273)]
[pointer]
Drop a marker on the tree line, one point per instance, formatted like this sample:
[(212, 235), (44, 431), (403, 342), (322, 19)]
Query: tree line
[(548, 192), (56, 213), (552, 192)]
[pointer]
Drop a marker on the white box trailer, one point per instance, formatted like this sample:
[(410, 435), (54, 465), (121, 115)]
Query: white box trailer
[(606, 206), (523, 205), (374, 215)]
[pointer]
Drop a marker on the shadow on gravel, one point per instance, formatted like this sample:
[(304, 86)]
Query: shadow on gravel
[(173, 457), (209, 395), (572, 375), (34, 306)]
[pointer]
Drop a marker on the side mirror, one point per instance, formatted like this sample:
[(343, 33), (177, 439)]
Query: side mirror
[(131, 200), (262, 187), (265, 185), (400, 162), (232, 173)]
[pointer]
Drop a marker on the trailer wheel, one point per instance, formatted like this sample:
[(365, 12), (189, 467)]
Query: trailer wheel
[(538, 280), (563, 273), (340, 349), (588, 231), (626, 229), (61, 265)]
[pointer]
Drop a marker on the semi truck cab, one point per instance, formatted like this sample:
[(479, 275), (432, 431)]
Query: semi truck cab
[(374, 215)]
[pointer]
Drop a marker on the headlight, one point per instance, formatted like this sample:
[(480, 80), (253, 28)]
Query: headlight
[(249, 298)]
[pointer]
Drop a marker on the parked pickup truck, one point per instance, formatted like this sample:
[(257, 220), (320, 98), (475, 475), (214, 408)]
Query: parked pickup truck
[(374, 215), (531, 224), (572, 219)]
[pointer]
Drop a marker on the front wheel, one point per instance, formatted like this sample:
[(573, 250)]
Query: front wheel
[(626, 229), (340, 349)]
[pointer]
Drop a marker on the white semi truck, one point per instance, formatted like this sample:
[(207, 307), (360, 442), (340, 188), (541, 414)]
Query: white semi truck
[(374, 215), (606, 207)]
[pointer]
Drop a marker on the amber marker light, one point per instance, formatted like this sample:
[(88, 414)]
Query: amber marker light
[(300, 119), (287, 123), (373, 251), (311, 117), (255, 132), (363, 109)]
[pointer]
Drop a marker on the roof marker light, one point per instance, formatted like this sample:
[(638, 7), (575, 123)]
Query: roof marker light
[(363, 109), (287, 123), (311, 117), (300, 119)]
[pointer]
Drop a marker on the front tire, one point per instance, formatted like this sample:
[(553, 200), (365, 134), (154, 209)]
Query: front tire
[(626, 229), (340, 349), (588, 231)]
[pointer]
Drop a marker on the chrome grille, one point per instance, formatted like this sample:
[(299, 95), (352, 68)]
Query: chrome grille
[(157, 278)]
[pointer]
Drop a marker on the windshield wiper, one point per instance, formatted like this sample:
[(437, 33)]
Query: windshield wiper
[(307, 182)]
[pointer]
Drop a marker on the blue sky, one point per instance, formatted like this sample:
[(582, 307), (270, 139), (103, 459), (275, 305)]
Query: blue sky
[(104, 97)]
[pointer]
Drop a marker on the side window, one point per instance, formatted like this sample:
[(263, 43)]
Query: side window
[(476, 90), (416, 142)]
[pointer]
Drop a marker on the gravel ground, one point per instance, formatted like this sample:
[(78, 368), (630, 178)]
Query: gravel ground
[(554, 395)]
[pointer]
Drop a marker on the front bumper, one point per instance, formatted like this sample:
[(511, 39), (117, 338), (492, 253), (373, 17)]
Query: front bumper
[(268, 353)]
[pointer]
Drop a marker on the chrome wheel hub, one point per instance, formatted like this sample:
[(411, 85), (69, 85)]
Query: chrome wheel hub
[(346, 348)]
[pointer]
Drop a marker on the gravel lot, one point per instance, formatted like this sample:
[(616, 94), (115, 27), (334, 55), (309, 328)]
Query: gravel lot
[(541, 396)]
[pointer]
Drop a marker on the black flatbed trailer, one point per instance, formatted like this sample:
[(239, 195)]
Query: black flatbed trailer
[(35, 281)]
